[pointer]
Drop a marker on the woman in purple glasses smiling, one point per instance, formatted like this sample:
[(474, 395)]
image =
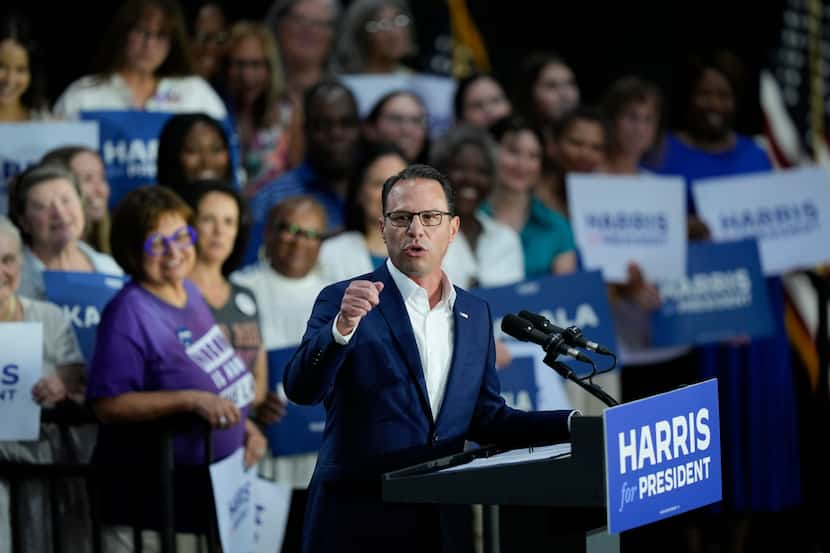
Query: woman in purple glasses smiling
[(159, 352)]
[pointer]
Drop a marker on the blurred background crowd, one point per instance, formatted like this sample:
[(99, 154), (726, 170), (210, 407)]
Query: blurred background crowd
[(266, 187)]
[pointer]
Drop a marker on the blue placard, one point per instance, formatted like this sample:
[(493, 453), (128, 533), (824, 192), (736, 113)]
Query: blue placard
[(578, 299), (518, 384), (301, 430), (662, 456), (83, 297), (129, 141), (723, 296)]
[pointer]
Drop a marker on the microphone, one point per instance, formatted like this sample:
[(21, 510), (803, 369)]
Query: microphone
[(572, 335), (523, 330)]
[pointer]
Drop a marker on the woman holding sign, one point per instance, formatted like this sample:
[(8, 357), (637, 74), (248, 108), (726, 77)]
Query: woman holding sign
[(63, 375), (45, 203), (160, 353), (222, 226), (143, 64)]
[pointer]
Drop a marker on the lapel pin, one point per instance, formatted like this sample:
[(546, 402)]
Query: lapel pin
[(463, 315)]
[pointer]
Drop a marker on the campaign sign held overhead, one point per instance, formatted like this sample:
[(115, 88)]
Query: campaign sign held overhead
[(723, 296), (787, 211), (83, 297), (578, 300), (662, 456), (301, 429)]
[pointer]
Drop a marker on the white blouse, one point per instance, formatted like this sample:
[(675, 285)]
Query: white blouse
[(173, 94)]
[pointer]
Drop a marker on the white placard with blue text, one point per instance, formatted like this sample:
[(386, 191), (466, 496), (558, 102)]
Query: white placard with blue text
[(662, 456), (301, 429), (787, 211), (272, 502), (21, 366), (724, 295), (622, 219), (436, 92), (83, 297), (579, 299), (23, 144), (234, 501)]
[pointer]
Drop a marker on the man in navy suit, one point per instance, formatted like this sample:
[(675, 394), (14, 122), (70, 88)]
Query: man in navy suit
[(404, 364)]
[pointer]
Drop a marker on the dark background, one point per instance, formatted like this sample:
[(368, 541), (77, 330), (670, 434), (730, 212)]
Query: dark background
[(601, 40)]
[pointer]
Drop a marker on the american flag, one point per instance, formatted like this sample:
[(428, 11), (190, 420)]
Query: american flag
[(795, 86)]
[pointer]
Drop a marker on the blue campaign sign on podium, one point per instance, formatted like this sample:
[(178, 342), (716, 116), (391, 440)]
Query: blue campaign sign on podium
[(578, 300), (83, 297), (662, 456), (723, 295), (301, 430)]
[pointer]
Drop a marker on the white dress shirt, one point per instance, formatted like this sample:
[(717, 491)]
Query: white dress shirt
[(433, 329)]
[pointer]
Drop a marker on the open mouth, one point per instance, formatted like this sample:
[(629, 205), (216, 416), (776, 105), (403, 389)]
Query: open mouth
[(415, 250)]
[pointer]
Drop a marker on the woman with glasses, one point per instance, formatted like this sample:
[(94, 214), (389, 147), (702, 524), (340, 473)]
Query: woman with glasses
[(400, 117), (45, 202), (285, 284), (143, 64), (376, 37), (159, 353)]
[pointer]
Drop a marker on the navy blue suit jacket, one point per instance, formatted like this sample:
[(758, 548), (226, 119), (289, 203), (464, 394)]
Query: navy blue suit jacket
[(378, 416)]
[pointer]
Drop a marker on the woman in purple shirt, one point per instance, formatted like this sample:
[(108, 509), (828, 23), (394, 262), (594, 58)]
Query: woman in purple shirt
[(159, 353)]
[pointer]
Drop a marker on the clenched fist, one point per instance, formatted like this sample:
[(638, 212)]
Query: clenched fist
[(361, 297)]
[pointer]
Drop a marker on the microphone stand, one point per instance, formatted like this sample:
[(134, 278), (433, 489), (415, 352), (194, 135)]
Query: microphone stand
[(550, 360)]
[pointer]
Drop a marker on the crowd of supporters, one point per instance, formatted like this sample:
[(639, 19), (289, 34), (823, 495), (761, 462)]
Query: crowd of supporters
[(267, 189)]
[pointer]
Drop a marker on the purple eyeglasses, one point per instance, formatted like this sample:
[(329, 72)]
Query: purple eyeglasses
[(183, 237)]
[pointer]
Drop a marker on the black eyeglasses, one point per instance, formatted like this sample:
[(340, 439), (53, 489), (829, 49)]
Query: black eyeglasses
[(298, 231), (429, 217)]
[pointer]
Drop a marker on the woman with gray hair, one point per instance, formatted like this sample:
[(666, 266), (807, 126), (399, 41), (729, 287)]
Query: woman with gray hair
[(45, 204), (63, 370), (376, 36)]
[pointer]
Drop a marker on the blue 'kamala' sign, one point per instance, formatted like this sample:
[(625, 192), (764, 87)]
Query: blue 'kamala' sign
[(723, 295), (83, 297), (662, 456), (129, 141), (578, 299), (301, 430)]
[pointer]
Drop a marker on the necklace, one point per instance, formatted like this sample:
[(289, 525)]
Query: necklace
[(11, 308)]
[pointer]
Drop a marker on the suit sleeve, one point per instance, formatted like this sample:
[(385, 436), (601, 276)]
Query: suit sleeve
[(494, 422), (312, 370)]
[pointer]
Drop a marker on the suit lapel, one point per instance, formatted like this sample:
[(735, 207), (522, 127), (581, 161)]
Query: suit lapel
[(393, 310), (462, 350)]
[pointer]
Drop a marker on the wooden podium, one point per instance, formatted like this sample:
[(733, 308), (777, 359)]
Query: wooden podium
[(542, 504)]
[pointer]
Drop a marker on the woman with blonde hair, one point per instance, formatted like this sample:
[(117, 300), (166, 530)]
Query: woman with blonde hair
[(255, 93)]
